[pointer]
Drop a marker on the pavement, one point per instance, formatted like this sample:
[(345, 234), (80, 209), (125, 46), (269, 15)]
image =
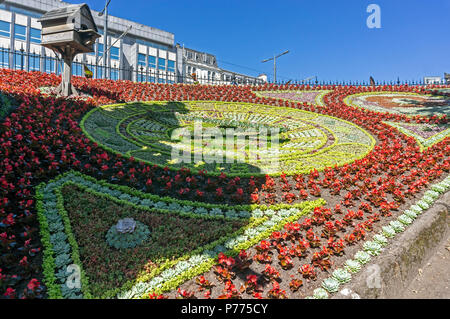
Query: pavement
[(433, 279)]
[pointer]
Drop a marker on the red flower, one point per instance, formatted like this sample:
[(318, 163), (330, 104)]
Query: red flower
[(33, 284), (10, 293)]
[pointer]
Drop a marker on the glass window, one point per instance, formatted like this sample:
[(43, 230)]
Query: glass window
[(4, 58), (141, 77), (115, 53), (114, 74), (5, 29), (35, 62), (152, 61), (49, 65), (25, 12), (142, 59), (99, 72), (77, 69), (20, 32), (161, 64), (171, 66), (35, 35), (100, 49), (153, 45), (152, 79), (19, 60), (59, 67)]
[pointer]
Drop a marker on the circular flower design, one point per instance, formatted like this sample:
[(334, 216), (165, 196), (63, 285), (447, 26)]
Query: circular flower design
[(233, 138), (410, 104)]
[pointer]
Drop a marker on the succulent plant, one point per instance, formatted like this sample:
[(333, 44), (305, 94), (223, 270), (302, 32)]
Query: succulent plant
[(380, 239), (404, 219), (331, 285), (410, 214), (388, 231), (397, 226), (320, 293), (362, 257), (352, 266), (372, 248), (342, 275), (119, 240), (417, 209), (423, 204)]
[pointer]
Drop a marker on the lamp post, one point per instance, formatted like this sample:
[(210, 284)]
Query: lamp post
[(105, 35), (275, 63)]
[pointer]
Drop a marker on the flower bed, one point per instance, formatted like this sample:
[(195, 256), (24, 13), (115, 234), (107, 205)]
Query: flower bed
[(307, 141), (311, 97), (42, 139), (77, 211), (401, 103)]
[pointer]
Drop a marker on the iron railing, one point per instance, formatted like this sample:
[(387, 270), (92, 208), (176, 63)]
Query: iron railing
[(22, 60)]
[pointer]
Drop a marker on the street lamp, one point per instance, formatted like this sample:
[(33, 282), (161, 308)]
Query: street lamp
[(275, 63), (105, 34)]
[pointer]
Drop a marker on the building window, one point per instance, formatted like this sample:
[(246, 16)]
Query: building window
[(99, 72), (35, 62), (77, 69), (115, 53), (161, 64), (35, 35), (20, 32), (4, 58), (19, 60), (100, 49), (142, 59), (151, 61), (49, 65), (5, 29), (141, 77), (114, 74), (171, 66)]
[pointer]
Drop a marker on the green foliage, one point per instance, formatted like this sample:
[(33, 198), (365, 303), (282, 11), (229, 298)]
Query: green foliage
[(6, 106), (129, 240)]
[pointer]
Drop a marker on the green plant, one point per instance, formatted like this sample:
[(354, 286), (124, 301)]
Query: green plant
[(120, 240)]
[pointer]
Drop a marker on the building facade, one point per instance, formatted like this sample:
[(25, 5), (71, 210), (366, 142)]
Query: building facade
[(143, 54), (202, 67), (429, 80)]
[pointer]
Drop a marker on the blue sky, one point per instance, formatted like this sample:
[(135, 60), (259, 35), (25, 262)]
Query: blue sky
[(328, 39)]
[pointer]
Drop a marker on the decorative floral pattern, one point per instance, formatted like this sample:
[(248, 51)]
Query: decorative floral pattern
[(313, 97), (410, 104), (41, 139), (374, 248), (61, 248), (307, 140), (426, 135)]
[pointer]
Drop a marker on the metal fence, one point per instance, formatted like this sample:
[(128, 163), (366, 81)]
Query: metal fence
[(22, 60)]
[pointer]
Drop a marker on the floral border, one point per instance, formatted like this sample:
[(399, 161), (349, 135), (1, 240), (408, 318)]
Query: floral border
[(379, 241), (423, 143), (347, 101), (317, 101), (57, 235)]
